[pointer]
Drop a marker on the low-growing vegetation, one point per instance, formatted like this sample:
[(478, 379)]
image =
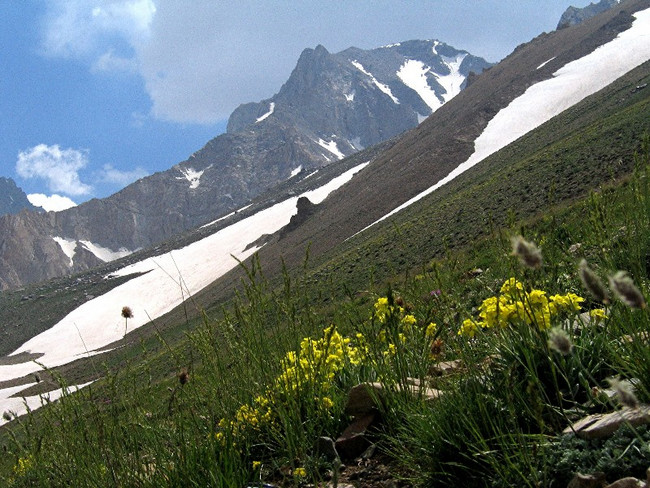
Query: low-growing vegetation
[(542, 327)]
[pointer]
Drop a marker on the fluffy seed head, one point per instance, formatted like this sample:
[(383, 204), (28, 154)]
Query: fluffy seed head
[(624, 392), (559, 340), (527, 252), (592, 283), (626, 291)]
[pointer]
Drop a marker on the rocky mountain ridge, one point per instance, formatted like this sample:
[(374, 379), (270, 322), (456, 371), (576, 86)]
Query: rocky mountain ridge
[(12, 198), (331, 106), (574, 15)]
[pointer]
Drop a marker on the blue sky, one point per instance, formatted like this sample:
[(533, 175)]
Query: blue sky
[(96, 94)]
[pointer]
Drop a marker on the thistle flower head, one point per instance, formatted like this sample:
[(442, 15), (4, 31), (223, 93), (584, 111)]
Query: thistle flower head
[(626, 291), (527, 252), (183, 377), (592, 283), (127, 313), (559, 340), (624, 392)]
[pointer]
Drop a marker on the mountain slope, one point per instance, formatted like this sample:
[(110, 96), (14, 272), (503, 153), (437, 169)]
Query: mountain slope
[(566, 156), (332, 106)]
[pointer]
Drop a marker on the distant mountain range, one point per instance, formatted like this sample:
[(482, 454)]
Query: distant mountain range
[(332, 106)]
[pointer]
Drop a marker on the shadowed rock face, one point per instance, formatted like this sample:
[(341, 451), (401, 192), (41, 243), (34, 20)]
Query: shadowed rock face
[(332, 106)]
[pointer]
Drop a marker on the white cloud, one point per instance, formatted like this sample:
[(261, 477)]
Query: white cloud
[(109, 174), (58, 167), (52, 203), (112, 62), (83, 29)]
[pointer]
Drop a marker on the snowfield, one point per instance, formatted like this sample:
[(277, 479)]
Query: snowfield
[(167, 281), (541, 102)]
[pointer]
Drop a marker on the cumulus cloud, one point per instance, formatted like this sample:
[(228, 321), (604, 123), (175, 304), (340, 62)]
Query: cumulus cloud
[(59, 168), (92, 29), (52, 203), (112, 175)]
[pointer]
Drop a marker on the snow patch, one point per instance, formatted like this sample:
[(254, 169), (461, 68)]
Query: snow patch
[(546, 62), (191, 175), (331, 147), (271, 110), (349, 97), (68, 247), (544, 100), (384, 88), (296, 171), (21, 405), (413, 74), (453, 81), (104, 253), (167, 280)]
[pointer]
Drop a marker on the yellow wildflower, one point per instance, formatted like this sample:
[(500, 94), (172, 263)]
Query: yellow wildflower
[(431, 329), (300, 472)]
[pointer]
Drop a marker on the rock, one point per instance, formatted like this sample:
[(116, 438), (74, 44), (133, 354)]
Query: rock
[(626, 483), (595, 480), (365, 398), (599, 426), (446, 367), (326, 448), (354, 440)]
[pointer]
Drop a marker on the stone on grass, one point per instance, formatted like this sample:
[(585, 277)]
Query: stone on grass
[(599, 426)]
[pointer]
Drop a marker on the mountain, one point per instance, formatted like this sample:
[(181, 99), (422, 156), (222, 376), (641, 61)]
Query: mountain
[(332, 106), (12, 198), (574, 15)]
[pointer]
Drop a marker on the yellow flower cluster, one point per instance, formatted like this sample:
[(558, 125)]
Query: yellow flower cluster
[(23, 465), (310, 372), (318, 361), (515, 304)]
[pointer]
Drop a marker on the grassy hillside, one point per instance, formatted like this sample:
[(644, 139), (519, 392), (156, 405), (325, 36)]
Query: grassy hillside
[(241, 393)]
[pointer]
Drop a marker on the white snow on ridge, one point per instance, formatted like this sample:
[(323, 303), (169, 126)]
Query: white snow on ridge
[(226, 216), (191, 175), (167, 280), (104, 253), (331, 147), (545, 63), (413, 74), (271, 110), (296, 171), (381, 86), (542, 101), (453, 81), (68, 247)]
